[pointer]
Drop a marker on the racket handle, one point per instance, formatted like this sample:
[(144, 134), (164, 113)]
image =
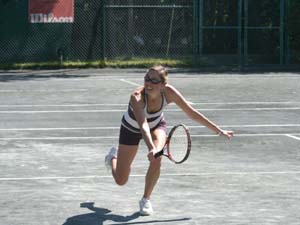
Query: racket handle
[(160, 153)]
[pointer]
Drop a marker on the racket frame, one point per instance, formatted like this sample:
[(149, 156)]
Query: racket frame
[(166, 149)]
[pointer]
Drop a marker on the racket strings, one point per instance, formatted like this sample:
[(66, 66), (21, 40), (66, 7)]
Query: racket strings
[(178, 144)]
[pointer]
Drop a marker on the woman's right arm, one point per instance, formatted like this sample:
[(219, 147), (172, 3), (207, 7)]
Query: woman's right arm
[(138, 110)]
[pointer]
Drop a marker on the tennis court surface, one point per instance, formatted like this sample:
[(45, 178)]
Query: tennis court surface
[(57, 126)]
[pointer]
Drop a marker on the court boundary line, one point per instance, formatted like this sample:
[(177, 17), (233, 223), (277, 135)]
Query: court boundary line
[(118, 127), (293, 137), (130, 82), (42, 90), (66, 105), (123, 104), (116, 137), (161, 176), (122, 110)]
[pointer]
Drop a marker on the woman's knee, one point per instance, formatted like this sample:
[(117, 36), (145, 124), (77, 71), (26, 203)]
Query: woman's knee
[(122, 176), (121, 180), (126, 155)]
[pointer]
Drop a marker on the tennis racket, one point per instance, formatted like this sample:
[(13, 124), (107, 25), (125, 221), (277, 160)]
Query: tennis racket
[(178, 144)]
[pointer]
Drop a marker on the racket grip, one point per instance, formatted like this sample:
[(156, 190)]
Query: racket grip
[(160, 153)]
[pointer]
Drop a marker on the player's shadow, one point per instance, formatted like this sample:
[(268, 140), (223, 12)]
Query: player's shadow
[(98, 216)]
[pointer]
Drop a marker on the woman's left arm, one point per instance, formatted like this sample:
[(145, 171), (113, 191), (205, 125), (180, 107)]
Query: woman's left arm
[(175, 96)]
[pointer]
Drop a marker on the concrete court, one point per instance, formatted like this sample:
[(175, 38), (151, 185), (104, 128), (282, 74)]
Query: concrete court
[(57, 126)]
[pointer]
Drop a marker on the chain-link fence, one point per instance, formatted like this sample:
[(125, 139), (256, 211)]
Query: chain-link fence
[(149, 28), (22, 41), (220, 32)]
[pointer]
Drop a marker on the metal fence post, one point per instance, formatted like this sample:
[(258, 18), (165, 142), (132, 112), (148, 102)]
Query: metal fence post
[(240, 34), (281, 31), (102, 30), (195, 31), (286, 36), (200, 35), (245, 54)]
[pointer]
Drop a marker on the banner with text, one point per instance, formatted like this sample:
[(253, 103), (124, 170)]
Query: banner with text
[(51, 11)]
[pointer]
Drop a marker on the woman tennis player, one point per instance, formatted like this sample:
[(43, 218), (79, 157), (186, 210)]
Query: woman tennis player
[(144, 119)]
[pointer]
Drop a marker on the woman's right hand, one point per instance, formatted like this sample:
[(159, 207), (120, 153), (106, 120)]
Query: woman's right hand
[(151, 154)]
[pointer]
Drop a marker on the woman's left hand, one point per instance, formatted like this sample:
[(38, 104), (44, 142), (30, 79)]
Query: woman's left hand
[(227, 133)]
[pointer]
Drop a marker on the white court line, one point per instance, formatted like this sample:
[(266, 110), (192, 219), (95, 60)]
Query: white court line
[(135, 84), (252, 109), (61, 111), (122, 110), (125, 104), (118, 127), (58, 138), (162, 175), (251, 125), (65, 105), (292, 136), (244, 103), (42, 90), (116, 137), (129, 82), (248, 135), (60, 128)]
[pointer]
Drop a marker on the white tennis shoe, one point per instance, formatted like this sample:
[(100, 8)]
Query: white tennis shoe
[(113, 153), (145, 207)]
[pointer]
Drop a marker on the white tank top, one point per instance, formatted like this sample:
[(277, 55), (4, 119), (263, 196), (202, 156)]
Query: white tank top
[(153, 119)]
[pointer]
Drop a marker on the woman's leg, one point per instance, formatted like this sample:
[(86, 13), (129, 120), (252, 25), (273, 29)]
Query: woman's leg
[(122, 164), (159, 139)]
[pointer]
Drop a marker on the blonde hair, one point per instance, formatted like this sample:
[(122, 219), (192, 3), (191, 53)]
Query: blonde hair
[(162, 72)]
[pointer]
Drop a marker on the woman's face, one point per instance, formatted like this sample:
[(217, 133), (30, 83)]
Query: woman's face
[(152, 82)]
